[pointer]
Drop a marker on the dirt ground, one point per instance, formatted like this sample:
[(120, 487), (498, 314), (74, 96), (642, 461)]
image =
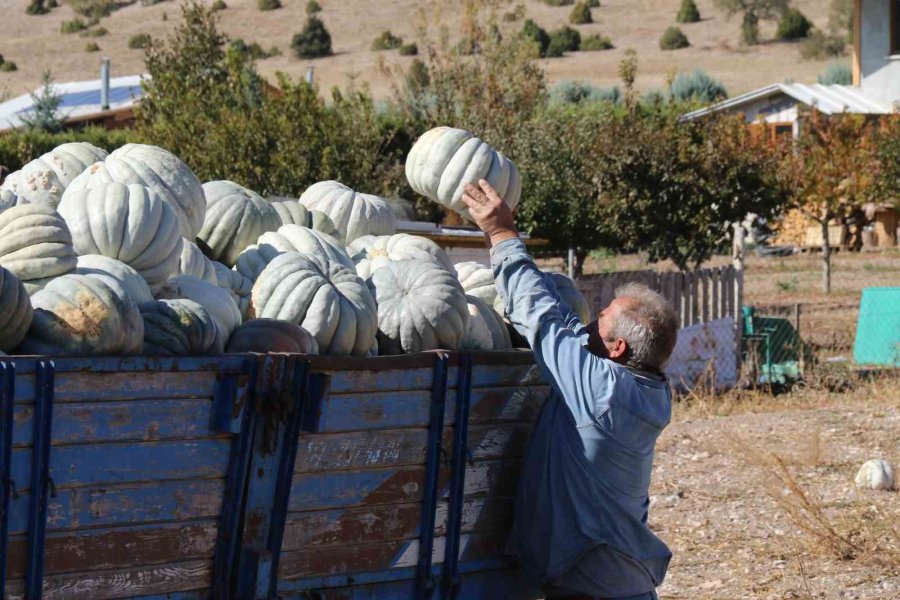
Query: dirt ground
[(719, 502), (35, 43)]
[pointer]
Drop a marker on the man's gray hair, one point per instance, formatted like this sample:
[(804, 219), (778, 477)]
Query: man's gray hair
[(649, 326)]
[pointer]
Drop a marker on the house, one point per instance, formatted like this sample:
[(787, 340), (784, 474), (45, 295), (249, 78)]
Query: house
[(779, 108)]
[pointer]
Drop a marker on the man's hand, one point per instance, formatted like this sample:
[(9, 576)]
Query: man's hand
[(490, 213)]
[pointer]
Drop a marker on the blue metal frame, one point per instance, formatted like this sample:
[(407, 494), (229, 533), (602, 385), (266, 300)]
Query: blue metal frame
[(223, 418), (450, 587), (425, 582), (7, 393), (40, 478)]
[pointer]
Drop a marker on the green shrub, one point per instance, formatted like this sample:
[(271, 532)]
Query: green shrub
[(313, 42), (688, 13), (218, 5), (580, 15), (386, 41), (654, 97), (94, 9), (536, 33), (673, 39), (750, 29), (409, 49), (139, 41), (20, 146), (819, 46), (95, 33), (563, 40), (793, 25), (52, 4), (576, 92), (73, 26), (697, 86), (8, 66), (592, 3), (559, 2), (91, 47), (252, 51), (268, 4), (37, 8), (836, 74), (596, 42), (313, 7)]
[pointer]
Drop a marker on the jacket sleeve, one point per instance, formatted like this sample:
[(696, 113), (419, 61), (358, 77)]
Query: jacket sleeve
[(582, 379)]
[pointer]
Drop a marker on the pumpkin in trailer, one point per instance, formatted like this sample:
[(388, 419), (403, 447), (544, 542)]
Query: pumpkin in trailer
[(44, 179), (236, 284), (79, 315), (370, 252), (219, 302), (193, 262), (8, 199), (35, 244), (324, 296), (421, 307), (115, 274), (129, 223), (15, 311), (485, 329), (444, 159), (294, 213), (235, 218), (354, 214), (272, 335), (478, 280), (161, 171), (179, 327), (289, 238)]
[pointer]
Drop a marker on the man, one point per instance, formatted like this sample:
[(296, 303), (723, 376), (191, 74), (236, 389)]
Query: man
[(581, 515)]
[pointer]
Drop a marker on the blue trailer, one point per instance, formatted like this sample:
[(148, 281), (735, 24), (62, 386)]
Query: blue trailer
[(263, 476)]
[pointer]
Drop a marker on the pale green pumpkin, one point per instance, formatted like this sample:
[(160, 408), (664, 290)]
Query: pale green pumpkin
[(289, 238), (372, 252), (35, 244), (117, 275), (15, 311), (235, 218), (219, 302), (193, 262), (485, 329), (179, 327), (354, 214), (43, 180)]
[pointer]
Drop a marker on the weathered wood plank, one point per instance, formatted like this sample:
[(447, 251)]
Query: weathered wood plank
[(705, 300), (111, 505), (162, 579), (77, 387), (85, 551), (504, 404), (87, 464), (320, 491), (135, 421), (715, 300), (389, 523)]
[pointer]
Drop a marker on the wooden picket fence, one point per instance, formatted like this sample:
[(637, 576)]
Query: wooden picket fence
[(698, 296)]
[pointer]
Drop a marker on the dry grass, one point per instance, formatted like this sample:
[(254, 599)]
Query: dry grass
[(35, 43)]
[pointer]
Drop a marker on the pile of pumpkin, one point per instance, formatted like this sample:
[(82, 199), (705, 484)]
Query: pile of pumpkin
[(127, 253)]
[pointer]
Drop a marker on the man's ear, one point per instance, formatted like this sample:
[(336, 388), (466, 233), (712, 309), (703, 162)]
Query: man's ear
[(619, 348)]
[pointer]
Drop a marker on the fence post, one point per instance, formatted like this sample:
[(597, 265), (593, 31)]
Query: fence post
[(737, 258)]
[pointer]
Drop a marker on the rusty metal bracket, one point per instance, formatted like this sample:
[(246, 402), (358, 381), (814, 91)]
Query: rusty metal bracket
[(458, 477), (40, 478)]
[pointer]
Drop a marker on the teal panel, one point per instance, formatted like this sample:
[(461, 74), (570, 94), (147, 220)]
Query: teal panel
[(878, 328)]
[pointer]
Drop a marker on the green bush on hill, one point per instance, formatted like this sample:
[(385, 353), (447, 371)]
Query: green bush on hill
[(314, 41), (95, 32), (268, 4), (836, 74), (697, 86), (580, 15), (218, 5), (673, 39), (563, 40), (410, 49), (139, 41), (596, 42), (534, 32), (793, 25), (73, 26), (91, 47), (386, 41), (313, 7), (688, 13)]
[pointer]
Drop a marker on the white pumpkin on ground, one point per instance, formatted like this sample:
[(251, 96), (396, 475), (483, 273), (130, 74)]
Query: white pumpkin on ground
[(35, 244), (444, 159), (272, 335), (179, 327), (485, 329), (289, 238), (239, 286), (324, 296), (354, 214), (572, 297), (235, 218), (8, 199), (15, 311), (129, 223), (219, 302), (44, 179), (421, 306), (161, 171), (193, 262), (116, 275), (79, 315), (370, 252), (876, 474)]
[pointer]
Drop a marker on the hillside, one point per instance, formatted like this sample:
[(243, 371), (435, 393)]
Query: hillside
[(35, 42)]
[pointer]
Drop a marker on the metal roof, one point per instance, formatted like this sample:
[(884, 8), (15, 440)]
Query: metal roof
[(80, 100), (829, 99)]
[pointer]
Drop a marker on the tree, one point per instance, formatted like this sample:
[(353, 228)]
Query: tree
[(673, 39), (580, 14), (46, 102), (833, 171), (688, 13), (793, 25), (753, 11), (314, 41)]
